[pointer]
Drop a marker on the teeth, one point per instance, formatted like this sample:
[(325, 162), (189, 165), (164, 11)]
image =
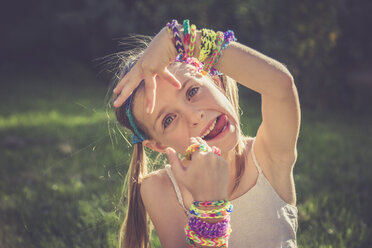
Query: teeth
[(210, 129)]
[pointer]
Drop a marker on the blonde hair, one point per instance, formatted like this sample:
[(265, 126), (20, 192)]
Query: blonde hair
[(135, 230)]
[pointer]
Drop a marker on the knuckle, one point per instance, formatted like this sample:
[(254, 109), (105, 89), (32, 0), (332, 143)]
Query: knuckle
[(147, 66)]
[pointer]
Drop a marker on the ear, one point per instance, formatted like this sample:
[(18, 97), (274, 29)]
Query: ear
[(154, 145)]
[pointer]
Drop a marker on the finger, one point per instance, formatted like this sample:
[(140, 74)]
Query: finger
[(150, 92), (170, 78), (178, 169), (119, 87), (121, 99), (193, 140), (127, 90), (200, 140), (116, 90)]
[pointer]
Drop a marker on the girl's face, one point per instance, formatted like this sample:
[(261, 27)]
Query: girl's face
[(180, 114)]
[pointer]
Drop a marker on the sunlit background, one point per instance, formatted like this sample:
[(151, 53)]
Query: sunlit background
[(63, 158)]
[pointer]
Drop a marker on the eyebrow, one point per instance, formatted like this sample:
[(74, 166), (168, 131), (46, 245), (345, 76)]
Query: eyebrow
[(163, 109)]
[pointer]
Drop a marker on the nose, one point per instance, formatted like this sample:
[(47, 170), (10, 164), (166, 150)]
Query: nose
[(194, 115)]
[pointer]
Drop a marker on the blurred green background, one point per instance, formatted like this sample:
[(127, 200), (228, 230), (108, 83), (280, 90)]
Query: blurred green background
[(63, 159)]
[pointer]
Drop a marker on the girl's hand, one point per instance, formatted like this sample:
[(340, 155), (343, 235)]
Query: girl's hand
[(154, 61), (205, 176)]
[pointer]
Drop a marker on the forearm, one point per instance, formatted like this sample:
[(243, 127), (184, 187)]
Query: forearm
[(255, 70), (252, 69)]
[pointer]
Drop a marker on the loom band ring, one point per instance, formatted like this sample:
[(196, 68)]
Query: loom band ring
[(195, 147)]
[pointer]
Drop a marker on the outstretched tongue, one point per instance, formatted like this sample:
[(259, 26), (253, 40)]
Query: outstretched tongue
[(221, 123)]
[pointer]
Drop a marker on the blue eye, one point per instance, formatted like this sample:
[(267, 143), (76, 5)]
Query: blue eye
[(167, 121), (192, 92)]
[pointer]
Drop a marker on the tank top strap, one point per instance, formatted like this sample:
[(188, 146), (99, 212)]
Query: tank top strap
[(254, 157), (176, 188)]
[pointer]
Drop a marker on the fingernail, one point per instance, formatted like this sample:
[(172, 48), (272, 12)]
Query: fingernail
[(148, 109)]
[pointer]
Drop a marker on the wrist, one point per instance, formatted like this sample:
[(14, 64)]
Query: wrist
[(197, 39), (209, 224)]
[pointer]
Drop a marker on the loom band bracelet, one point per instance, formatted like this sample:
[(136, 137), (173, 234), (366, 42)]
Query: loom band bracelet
[(201, 240), (177, 37), (229, 36), (186, 31), (169, 28), (186, 38), (217, 215), (216, 203), (207, 241), (211, 213), (205, 49), (215, 54), (191, 244), (192, 40), (203, 232), (208, 43), (222, 205), (210, 230), (195, 210)]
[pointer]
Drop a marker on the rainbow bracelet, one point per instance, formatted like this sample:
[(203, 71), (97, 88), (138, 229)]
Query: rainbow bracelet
[(228, 36), (177, 37), (192, 40), (208, 44), (215, 54), (211, 213), (222, 240), (209, 230), (216, 203), (186, 31)]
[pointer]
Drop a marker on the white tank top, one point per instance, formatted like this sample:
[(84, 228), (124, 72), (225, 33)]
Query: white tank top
[(260, 219)]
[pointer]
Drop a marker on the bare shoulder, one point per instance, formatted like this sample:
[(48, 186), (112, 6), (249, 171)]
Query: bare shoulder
[(154, 186), (164, 211)]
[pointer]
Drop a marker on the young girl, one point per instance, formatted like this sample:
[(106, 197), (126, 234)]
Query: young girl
[(173, 106)]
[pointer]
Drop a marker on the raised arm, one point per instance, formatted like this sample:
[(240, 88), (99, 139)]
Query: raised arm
[(278, 132)]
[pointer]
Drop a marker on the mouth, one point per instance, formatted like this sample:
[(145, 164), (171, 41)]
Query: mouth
[(217, 127)]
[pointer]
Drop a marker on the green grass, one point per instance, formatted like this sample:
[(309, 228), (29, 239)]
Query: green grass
[(63, 164)]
